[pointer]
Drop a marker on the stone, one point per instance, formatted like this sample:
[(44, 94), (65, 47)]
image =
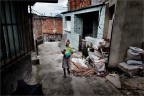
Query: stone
[(130, 70), (114, 79)]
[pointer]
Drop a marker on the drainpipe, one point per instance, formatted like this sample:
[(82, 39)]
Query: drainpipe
[(33, 36)]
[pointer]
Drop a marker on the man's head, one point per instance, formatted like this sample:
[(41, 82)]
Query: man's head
[(67, 42)]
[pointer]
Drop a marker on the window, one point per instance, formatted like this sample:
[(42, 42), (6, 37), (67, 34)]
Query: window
[(68, 23), (15, 31)]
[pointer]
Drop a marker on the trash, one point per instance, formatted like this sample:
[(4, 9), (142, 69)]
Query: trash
[(114, 79)]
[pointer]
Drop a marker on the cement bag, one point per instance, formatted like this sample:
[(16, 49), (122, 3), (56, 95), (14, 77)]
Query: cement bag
[(100, 65), (94, 52), (98, 43), (137, 50), (131, 55), (89, 39), (134, 62), (97, 53), (93, 57)]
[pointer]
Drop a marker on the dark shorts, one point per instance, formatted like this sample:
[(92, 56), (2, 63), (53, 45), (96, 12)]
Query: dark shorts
[(66, 62)]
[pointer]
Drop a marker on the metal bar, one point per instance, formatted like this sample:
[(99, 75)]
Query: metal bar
[(10, 7), (31, 29), (22, 25), (3, 46), (18, 33), (25, 27), (3, 5), (10, 24)]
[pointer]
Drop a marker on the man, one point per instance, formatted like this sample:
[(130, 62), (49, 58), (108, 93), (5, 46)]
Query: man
[(66, 58)]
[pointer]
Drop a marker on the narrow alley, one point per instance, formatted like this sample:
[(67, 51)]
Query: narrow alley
[(72, 47), (54, 84)]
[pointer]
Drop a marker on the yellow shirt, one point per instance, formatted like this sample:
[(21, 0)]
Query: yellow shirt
[(69, 49)]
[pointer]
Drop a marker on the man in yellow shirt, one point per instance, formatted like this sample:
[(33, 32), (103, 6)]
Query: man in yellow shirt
[(66, 58)]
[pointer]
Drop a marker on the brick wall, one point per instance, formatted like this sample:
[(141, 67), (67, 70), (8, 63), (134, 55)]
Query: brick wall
[(52, 25), (58, 26), (76, 4)]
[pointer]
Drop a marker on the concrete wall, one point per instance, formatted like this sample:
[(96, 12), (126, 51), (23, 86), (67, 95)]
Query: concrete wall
[(101, 22), (18, 70), (128, 29), (37, 26), (106, 24), (76, 26), (96, 2)]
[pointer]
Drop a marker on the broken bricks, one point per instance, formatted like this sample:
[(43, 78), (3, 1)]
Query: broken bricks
[(79, 70)]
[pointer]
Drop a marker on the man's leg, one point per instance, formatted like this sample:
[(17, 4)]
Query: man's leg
[(68, 71), (64, 73)]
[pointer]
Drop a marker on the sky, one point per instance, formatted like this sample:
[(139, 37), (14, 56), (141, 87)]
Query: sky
[(50, 9)]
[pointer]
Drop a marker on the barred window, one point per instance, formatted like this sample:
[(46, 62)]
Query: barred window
[(15, 31)]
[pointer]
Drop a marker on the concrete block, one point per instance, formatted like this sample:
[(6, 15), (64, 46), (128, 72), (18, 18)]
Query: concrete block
[(130, 70)]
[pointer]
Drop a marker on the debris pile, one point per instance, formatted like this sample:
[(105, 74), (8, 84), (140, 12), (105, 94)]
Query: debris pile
[(79, 68), (133, 62), (95, 61)]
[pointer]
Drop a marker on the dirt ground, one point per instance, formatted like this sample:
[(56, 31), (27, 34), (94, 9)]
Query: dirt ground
[(54, 84)]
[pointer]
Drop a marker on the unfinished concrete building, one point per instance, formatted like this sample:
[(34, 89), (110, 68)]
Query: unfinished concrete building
[(120, 21), (127, 29)]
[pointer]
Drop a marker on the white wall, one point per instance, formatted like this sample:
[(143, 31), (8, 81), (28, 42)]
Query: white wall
[(72, 35)]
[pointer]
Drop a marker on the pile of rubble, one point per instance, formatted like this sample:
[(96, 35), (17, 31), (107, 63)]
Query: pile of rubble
[(79, 68), (94, 62), (134, 63)]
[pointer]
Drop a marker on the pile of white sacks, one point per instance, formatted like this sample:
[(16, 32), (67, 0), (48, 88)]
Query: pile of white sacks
[(134, 56)]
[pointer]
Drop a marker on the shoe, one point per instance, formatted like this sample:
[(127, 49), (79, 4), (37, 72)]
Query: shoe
[(64, 76), (68, 73)]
